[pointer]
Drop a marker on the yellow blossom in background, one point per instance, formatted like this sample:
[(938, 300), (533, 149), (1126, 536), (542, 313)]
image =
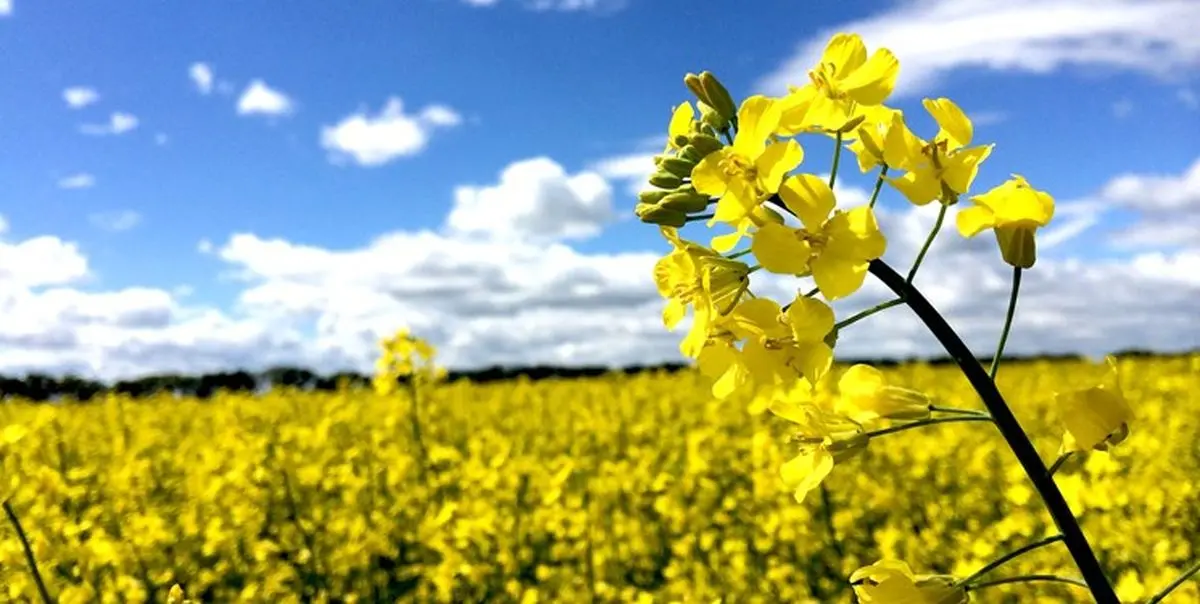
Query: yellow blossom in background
[(835, 249), (1015, 211), (1095, 417)]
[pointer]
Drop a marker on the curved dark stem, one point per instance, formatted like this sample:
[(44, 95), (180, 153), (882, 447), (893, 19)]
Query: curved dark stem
[(1009, 427)]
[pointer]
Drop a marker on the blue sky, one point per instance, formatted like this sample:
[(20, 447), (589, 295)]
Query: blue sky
[(1074, 95)]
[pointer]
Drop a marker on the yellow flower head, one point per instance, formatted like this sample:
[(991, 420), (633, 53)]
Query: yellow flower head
[(823, 437), (836, 249), (843, 83), (694, 276), (1015, 211), (749, 171), (943, 168), (1096, 417), (893, 582)]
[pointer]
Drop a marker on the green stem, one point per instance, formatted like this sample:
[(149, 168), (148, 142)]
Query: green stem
[(1029, 579), (937, 226), (738, 254), (1187, 574), (972, 412), (33, 567), (989, 567), (1062, 459), (925, 422), (837, 159), (1008, 319), (1010, 429), (699, 217), (878, 186), (868, 312)]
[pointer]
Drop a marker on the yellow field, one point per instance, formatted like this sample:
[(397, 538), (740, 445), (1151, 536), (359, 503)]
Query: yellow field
[(623, 487)]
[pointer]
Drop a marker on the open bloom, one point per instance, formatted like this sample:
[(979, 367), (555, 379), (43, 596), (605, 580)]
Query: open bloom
[(943, 168), (836, 249), (893, 582), (843, 83), (744, 174), (694, 276), (823, 437), (865, 395), (1015, 211), (1096, 417)]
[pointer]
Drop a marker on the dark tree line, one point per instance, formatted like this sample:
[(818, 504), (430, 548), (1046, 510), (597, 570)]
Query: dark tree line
[(41, 387)]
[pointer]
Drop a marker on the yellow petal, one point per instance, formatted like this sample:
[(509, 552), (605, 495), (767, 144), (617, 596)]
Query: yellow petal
[(973, 220), (838, 276), (673, 312), (708, 177), (955, 127), (845, 52), (810, 198), (805, 472), (920, 188), (810, 319), (815, 360), (775, 162), (681, 122), (875, 80), (901, 148), (855, 234), (793, 111), (724, 243), (963, 166), (757, 120), (778, 249), (758, 317), (861, 381)]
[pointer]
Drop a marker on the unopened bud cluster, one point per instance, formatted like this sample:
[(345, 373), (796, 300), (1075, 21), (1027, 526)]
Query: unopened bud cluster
[(674, 198)]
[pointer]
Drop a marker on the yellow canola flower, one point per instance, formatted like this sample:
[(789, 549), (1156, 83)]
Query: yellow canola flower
[(865, 395), (757, 217), (836, 249), (694, 276), (1015, 211), (746, 173), (1096, 417), (824, 438), (893, 582), (843, 84), (869, 146), (943, 168)]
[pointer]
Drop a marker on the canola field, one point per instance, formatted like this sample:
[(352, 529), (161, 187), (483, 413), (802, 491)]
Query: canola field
[(622, 488)]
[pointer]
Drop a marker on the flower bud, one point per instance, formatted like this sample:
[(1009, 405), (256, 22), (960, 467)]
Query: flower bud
[(705, 143), (845, 446), (692, 81), (652, 196), (685, 201), (718, 96), (677, 165), (1017, 246), (690, 153), (665, 180), (656, 214), (713, 118)]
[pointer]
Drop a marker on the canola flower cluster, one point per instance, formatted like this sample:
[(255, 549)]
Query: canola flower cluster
[(744, 161), (622, 488)]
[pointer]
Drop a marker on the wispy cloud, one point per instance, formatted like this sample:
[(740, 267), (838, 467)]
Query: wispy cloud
[(115, 221), (78, 97), (201, 75), (118, 123), (260, 99), (6, 8), (82, 180), (935, 37)]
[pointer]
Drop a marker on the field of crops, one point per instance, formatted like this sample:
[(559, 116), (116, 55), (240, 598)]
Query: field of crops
[(622, 488)]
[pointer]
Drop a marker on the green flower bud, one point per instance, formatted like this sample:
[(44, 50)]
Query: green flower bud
[(657, 214), (677, 165), (690, 153), (680, 140), (705, 144), (665, 180), (652, 196), (712, 117), (718, 96), (696, 86), (685, 201)]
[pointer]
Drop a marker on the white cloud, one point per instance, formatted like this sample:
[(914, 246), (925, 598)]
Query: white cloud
[(81, 180), (1167, 205), (935, 37), (115, 221), (389, 135), (201, 75), (633, 169), (535, 198), (6, 8), (78, 97), (118, 123), (260, 99)]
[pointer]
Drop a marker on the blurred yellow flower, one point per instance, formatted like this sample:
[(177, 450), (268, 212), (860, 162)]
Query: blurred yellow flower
[(893, 582), (1096, 417)]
